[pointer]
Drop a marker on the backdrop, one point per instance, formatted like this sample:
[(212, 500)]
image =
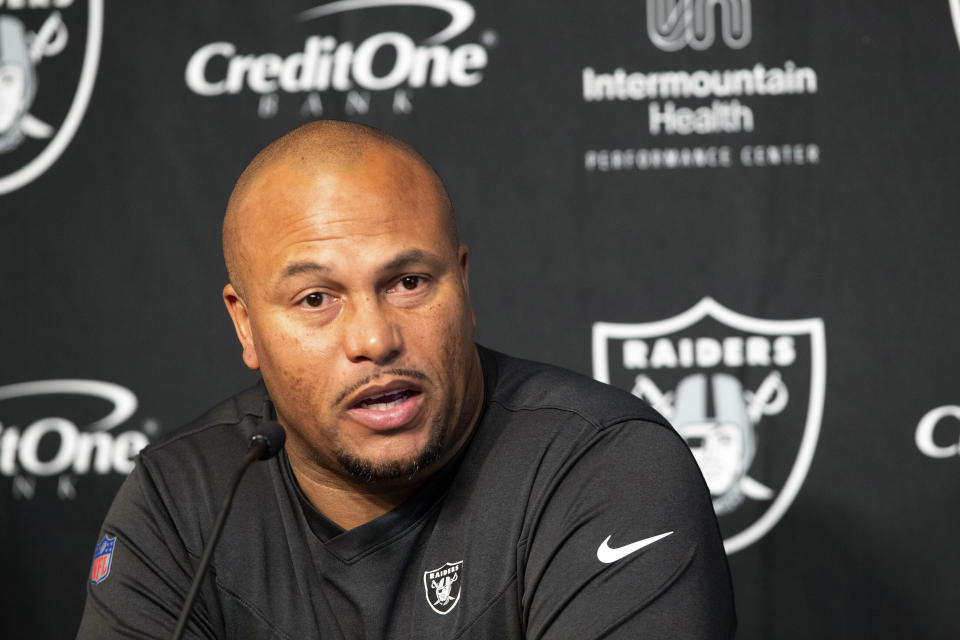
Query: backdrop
[(753, 203)]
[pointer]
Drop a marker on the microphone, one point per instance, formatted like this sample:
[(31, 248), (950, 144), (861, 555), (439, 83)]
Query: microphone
[(267, 443), (269, 439)]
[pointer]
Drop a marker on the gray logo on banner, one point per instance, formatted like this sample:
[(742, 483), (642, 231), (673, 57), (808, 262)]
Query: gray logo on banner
[(675, 24), (30, 34)]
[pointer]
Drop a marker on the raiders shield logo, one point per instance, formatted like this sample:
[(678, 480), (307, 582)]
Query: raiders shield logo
[(746, 394), (49, 53), (955, 13), (442, 586)]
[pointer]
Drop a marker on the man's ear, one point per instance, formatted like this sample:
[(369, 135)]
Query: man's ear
[(463, 255), (237, 309)]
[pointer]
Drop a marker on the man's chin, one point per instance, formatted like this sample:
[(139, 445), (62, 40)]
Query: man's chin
[(377, 471), (386, 465)]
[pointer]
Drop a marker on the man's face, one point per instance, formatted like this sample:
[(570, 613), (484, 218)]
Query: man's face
[(357, 313), (718, 448), (11, 95)]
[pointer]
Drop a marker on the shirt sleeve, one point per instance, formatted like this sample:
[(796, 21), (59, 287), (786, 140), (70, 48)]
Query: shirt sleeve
[(149, 571), (625, 544)]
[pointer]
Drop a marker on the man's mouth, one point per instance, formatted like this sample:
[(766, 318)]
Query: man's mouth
[(386, 400), (383, 409)]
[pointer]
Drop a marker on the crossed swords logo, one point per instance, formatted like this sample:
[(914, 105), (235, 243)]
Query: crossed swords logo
[(47, 42), (732, 461)]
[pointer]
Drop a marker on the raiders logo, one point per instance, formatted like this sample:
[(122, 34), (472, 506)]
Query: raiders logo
[(45, 47), (746, 394), (955, 14), (442, 587)]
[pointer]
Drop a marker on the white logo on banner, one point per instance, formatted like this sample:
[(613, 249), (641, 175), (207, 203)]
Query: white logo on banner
[(735, 387), (939, 424), (955, 13), (385, 61), (55, 446), (674, 24), (461, 13), (22, 54), (685, 104)]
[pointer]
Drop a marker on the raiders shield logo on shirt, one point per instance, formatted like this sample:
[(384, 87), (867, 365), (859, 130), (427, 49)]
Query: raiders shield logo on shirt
[(746, 394), (442, 586)]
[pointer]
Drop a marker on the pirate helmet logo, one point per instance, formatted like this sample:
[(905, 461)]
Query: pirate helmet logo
[(724, 440), (27, 42), (443, 586), (17, 82), (733, 386)]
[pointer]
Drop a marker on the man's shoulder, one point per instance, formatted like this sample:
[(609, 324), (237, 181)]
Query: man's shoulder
[(526, 385), (216, 434), (182, 477)]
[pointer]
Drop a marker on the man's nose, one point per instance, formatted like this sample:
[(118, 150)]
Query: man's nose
[(372, 332)]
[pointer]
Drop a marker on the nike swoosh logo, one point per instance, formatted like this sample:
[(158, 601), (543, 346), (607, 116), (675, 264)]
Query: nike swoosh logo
[(607, 555)]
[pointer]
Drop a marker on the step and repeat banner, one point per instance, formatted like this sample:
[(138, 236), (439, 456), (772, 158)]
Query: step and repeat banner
[(749, 201)]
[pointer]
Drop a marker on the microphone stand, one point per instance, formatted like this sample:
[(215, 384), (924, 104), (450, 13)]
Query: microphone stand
[(259, 448)]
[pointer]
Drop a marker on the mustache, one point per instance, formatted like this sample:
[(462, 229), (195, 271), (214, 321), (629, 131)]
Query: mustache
[(405, 373)]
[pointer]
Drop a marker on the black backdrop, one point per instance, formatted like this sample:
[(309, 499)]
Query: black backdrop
[(651, 191)]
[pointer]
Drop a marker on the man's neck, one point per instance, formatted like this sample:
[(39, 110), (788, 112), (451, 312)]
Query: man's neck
[(350, 504)]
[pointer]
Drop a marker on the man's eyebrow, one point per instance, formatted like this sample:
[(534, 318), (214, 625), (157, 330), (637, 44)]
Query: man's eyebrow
[(399, 262), (414, 256), (302, 266)]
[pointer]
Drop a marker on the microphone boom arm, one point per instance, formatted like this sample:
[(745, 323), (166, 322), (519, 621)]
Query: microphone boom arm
[(261, 447)]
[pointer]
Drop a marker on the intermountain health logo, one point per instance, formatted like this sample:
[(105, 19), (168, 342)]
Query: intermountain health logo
[(45, 45), (379, 49), (675, 24), (745, 393), (692, 115)]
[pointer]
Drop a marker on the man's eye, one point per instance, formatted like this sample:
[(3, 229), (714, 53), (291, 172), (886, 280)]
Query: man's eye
[(315, 299), (410, 282)]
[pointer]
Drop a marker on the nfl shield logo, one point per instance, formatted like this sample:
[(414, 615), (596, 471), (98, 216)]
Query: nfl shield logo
[(745, 393), (102, 558), (443, 586)]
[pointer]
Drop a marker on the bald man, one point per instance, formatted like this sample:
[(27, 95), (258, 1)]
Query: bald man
[(430, 488)]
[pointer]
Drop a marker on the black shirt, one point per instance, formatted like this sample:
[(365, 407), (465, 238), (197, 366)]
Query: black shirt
[(503, 542)]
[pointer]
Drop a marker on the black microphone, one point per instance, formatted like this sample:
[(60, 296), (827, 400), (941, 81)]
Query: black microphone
[(267, 443)]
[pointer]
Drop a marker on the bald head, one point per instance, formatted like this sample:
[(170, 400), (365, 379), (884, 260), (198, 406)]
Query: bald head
[(325, 147)]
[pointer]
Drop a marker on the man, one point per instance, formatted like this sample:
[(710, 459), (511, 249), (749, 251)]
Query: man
[(429, 488)]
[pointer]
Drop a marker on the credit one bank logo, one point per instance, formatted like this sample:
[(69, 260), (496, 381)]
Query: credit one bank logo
[(938, 432), (380, 62), (46, 446)]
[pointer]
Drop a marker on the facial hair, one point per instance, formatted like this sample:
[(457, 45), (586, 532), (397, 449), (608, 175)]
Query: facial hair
[(371, 473)]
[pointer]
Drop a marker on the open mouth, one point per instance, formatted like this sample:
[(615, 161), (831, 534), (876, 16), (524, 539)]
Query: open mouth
[(385, 401), (394, 406)]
